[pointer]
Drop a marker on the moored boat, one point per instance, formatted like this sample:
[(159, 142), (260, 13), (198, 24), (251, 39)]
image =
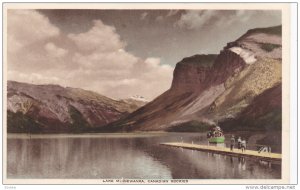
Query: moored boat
[(215, 135), (216, 139)]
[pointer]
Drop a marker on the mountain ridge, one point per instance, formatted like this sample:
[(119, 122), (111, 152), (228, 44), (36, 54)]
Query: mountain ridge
[(53, 108)]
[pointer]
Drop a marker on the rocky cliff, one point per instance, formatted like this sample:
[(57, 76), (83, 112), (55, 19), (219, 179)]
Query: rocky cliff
[(219, 88), (52, 108)]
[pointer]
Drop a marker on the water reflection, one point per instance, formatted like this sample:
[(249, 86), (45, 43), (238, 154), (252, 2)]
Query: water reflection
[(222, 145), (81, 158), (134, 157)]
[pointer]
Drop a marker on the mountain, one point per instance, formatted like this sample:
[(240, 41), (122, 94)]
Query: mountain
[(135, 101), (264, 112), (52, 108), (227, 88), (139, 98)]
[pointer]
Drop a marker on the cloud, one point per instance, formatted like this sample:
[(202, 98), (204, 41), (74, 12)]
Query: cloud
[(22, 31), (152, 62), (95, 59), (55, 51), (172, 13), (244, 14), (105, 60), (159, 18), (194, 19), (237, 16), (32, 77), (101, 37), (144, 15)]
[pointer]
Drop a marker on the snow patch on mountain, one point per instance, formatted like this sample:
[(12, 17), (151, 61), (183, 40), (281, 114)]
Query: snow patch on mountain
[(139, 98), (247, 56)]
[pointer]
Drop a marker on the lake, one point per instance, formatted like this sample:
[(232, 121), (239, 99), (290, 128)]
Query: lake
[(132, 155)]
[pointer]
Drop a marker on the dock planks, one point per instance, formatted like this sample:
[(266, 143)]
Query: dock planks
[(226, 151)]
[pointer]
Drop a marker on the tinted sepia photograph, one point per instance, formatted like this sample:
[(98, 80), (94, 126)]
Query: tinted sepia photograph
[(142, 94)]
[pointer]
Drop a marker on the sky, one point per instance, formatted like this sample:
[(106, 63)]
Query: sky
[(118, 53)]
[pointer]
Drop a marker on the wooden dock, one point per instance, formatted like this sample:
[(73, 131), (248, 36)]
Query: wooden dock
[(226, 151)]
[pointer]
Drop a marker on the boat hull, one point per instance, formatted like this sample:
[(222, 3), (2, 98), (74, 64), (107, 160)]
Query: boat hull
[(216, 139)]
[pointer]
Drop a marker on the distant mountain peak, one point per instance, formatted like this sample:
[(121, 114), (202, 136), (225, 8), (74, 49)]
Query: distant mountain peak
[(139, 98)]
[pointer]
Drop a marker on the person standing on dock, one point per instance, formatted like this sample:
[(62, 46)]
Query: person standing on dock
[(232, 142), (243, 145), (239, 141), (269, 149)]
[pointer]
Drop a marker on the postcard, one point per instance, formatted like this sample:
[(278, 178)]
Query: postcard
[(146, 93)]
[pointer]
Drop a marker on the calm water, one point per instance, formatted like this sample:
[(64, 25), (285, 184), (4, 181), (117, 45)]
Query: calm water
[(125, 156)]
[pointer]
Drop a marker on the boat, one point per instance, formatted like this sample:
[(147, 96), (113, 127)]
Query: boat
[(215, 135), (216, 139)]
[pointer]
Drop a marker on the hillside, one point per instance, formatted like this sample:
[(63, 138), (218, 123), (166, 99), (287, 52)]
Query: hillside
[(52, 108)]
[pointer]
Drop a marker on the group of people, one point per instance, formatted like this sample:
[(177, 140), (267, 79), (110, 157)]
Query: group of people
[(240, 142), (215, 132)]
